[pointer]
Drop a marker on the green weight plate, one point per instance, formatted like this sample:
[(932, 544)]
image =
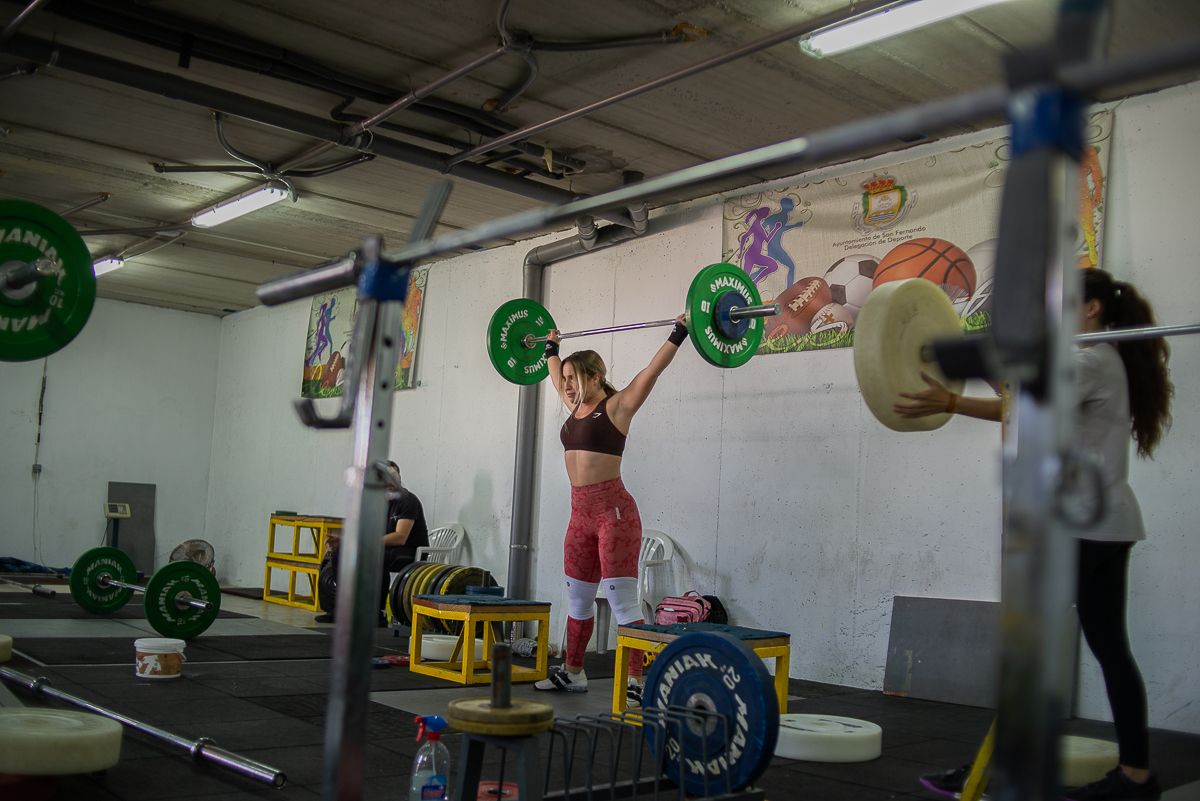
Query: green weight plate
[(714, 346), (512, 359), (42, 317), (85, 584), (171, 581)]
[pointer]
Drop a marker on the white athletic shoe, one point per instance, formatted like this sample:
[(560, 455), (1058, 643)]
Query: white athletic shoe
[(633, 694), (557, 678)]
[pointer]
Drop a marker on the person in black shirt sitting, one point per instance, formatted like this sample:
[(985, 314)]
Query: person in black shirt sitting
[(406, 531)]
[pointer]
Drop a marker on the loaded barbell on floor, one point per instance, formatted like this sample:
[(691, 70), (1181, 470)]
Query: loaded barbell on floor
[(722, 314), (182, 599), (894, 339), (47, 285)]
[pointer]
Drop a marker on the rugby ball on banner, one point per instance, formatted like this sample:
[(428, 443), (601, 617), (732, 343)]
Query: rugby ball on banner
[(850, 280), (936, 260), (798, 304), (832, 317), (983, 256)]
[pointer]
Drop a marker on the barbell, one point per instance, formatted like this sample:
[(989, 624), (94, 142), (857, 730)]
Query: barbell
[(722, 312), (893, 338), (182, 599)]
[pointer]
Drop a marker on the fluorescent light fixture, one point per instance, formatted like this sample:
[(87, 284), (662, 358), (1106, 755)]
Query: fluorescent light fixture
[(885, 22), (244, 203), (107, 265)]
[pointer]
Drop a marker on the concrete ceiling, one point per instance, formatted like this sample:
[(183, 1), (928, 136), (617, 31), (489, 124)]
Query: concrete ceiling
[(72, 135)]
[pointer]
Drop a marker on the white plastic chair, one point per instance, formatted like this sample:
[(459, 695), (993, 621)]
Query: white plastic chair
[(658, 550), (445, 542)]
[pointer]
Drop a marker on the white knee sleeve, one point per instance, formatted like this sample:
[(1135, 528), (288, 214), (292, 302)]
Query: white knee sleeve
[(622, 596), (581, 599)]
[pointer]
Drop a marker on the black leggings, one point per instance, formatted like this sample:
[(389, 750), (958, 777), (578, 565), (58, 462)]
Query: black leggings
[(1101, 596)]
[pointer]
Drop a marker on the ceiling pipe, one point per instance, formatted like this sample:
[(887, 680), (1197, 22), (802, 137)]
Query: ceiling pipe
[(241, 52), (176, 88), (22, 17), (788, 34)]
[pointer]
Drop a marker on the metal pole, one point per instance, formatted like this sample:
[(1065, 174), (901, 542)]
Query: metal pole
[(825, 145), (202, 749), (1108, 335), (735, 313), (1148, 332), (183, 599), (19, 20), (501, 676)]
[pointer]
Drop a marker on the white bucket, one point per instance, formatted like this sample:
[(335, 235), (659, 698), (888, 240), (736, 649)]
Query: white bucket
[(158, 658)]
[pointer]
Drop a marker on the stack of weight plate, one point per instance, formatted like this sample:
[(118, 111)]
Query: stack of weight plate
[(433, 578)]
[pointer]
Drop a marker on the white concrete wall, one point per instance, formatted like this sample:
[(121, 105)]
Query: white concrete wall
[(130, 399), (453, 435)]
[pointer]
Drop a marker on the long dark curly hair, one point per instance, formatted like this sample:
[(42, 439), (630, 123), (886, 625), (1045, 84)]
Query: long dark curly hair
[(1146, 370)]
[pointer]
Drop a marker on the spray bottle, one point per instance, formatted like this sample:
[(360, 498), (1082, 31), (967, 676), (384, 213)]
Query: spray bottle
[(431, 767)]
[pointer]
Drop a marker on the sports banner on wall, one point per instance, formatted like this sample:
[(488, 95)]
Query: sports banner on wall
[(819, 248), (330, 325)]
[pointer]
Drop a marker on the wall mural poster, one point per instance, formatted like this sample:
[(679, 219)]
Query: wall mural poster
[(330, 326), (819, 248)]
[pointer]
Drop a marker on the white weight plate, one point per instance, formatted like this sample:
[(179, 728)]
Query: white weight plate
[(439, 647), (897, 321), (1084, 760), (828, 738), (56, 742)]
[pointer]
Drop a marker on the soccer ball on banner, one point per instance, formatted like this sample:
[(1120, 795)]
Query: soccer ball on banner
[(850, 279)]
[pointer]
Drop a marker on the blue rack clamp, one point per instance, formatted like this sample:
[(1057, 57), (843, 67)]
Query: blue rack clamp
[(383, 280)]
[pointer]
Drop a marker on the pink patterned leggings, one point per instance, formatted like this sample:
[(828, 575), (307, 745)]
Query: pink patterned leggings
[(603, 541)]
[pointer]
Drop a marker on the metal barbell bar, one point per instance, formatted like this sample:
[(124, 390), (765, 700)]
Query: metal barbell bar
[(182, 600), (736, 313), (1110, 335), (1146, 332), (202, 749)]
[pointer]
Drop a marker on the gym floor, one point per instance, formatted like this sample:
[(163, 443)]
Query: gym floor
[(255, 682)]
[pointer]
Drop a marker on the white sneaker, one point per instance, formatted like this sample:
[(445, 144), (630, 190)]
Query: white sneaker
[(557, 678), (633, 694)]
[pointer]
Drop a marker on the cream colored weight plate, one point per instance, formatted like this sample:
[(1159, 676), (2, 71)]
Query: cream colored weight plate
[(828, 738), (896, 323), (56, 742), (1084, 760), (5, 648), (439, 647)]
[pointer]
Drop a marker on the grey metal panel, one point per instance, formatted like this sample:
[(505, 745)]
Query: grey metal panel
[(136, 533), (943, 649)]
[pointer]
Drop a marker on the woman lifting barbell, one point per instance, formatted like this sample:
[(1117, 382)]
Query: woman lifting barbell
[(605, 532), (1124, 388)]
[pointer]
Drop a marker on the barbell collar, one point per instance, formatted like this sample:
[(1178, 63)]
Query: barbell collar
[(736, 313), (183, 599)]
